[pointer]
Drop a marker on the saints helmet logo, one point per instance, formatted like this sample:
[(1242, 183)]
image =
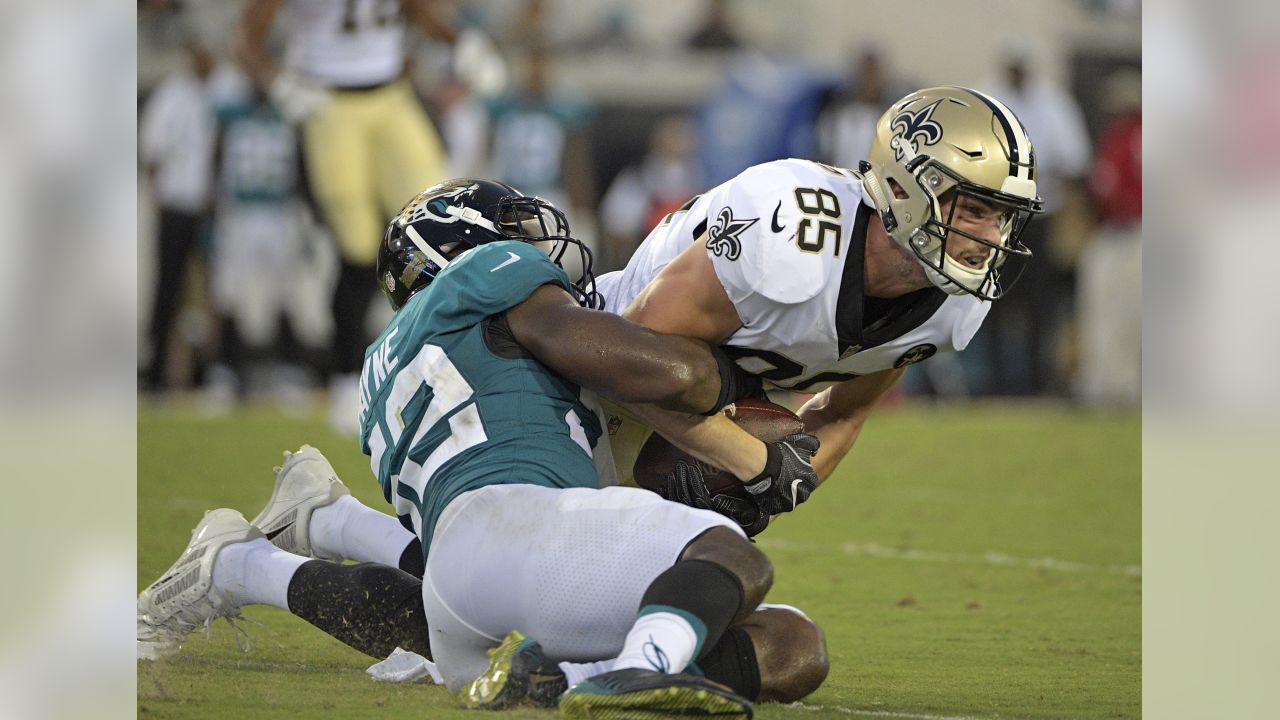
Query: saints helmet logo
[(916, 128), (722, 237)]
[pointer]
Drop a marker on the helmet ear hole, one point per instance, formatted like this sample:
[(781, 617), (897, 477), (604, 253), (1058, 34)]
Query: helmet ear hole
[(899, 192)]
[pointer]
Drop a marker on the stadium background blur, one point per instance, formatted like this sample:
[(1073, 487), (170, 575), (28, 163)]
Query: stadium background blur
[(69, 348), (621, 111)]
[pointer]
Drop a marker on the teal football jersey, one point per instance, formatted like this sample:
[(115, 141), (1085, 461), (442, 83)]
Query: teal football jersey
[(448, 403)]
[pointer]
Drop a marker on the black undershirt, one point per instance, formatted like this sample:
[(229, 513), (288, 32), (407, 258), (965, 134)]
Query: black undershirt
[(864, 321)]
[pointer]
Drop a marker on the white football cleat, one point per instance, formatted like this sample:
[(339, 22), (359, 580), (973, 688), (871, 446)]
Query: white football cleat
[(184, 598), (304, 483)]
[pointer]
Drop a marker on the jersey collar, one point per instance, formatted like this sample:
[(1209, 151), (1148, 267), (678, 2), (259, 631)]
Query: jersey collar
[(907, 313)]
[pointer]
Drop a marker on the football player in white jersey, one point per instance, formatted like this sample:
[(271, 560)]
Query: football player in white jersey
[(367, 142), (831, 281)]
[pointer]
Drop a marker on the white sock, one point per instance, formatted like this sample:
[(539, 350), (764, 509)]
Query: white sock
[(348, 530), (660, 640), (256, 573), (575, 673)]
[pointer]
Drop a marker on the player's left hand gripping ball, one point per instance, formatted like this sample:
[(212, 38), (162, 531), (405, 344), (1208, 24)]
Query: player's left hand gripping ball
[(687, 485), (788, 477)]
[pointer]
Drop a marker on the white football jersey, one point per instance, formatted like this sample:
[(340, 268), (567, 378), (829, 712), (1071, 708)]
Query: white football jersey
[(346, 43), (786, 239)]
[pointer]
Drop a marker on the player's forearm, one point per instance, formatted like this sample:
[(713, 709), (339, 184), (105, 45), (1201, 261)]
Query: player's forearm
[(617, 358), (633, 365), (836, 415), (838, 433), (715, 440), (837, 440)]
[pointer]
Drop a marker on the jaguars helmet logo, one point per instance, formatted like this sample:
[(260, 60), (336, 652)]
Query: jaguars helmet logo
[(435, 201)]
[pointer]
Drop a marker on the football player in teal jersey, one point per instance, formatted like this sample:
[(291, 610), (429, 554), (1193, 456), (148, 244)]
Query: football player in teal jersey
[(473, 419)]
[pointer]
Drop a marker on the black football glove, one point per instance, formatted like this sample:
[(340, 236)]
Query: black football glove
[(687, 486), (788, 477), (744, 511)]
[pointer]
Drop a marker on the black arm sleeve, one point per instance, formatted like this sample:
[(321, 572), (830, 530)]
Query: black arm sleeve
[(735, 383)]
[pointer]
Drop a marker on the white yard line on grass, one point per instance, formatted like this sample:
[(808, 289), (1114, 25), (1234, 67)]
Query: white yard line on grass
[(878, 713), (988, 558)]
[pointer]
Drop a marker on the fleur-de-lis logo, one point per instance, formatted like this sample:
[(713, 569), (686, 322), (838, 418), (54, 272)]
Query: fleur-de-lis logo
[(722, 237), (916, 128)]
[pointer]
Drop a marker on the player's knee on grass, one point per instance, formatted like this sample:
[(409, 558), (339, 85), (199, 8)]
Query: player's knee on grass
[(790, 651), (733, 552)]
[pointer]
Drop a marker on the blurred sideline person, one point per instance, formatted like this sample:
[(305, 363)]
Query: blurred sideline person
[(827, 280), (177, 135), (716, 32), (472, 417), (258, 251), (367, 142), (1028, 340), (847, 124), (539, 145), (1110, 288), (642, 194)]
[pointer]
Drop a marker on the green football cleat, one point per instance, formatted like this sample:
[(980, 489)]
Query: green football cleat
[(518, 671), (636, 694)]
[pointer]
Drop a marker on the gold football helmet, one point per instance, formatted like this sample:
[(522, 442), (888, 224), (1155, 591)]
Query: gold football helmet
[(953, 139)]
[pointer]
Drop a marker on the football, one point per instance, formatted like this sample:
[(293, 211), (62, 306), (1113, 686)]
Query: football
[(765, 420)]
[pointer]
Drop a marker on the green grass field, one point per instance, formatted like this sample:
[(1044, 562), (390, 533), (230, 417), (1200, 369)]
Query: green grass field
[(970, 562)]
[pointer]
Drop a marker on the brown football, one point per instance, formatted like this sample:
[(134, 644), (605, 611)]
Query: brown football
[(765, 420)]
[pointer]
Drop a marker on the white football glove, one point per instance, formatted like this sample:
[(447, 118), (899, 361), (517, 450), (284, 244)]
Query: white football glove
[(297, 97), (478, 64)]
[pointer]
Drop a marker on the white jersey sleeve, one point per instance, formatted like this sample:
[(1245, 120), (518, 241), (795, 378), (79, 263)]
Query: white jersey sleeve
[(752, 223)]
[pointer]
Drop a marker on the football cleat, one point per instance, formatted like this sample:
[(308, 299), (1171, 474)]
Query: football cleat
[(184, 598), (517, 671), (305, 482), (638, 694)]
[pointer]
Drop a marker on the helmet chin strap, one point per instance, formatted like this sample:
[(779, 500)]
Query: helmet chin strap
[(968, 277), (871, 184), (473, 217), (962, 279), (941, 282)]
